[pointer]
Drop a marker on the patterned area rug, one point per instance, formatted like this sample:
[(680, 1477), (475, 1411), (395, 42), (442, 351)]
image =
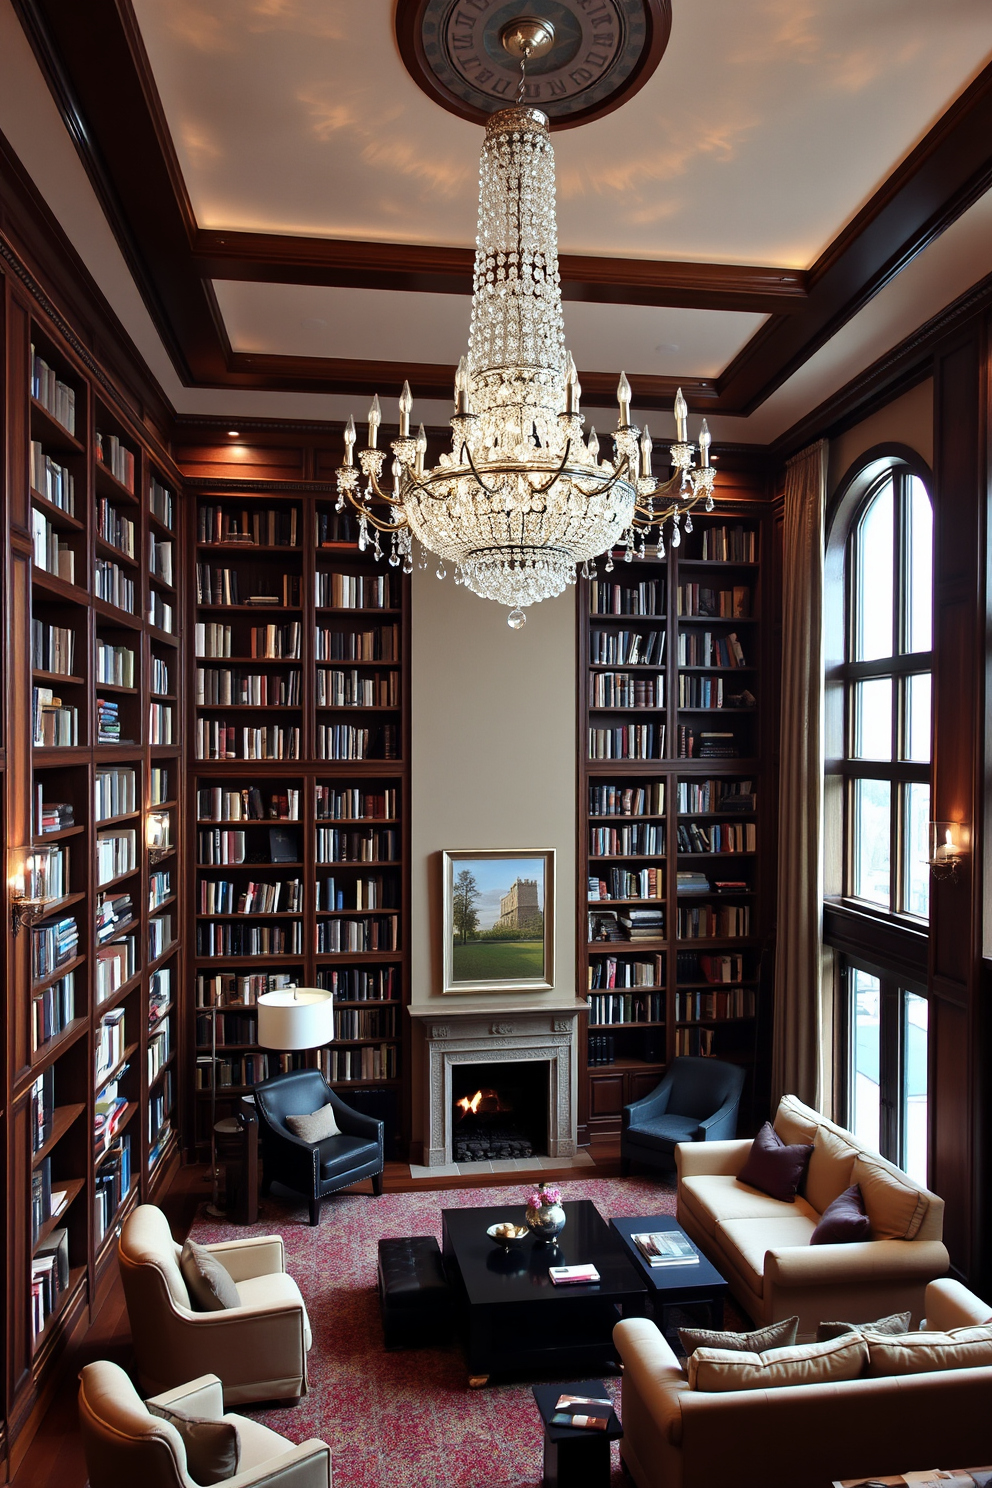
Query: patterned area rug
[(406, 1419)]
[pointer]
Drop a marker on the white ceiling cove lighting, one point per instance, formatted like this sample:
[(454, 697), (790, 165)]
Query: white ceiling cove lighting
[(522, 498)]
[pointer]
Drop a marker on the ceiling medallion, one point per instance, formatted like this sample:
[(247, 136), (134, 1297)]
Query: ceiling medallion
[(522, 497), (598, 53)]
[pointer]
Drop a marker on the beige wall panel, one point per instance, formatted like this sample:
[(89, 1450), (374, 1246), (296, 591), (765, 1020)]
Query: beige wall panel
[(906, 420)]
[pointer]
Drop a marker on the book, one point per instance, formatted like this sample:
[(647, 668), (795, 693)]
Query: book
[(582, 1423), (666, 1248), (573, 1275)]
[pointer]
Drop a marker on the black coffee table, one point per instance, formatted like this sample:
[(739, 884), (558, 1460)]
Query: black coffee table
[(674, 1286), (514, 1319)]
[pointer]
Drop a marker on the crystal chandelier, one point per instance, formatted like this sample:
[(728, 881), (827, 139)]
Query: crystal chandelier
[(522, 498)]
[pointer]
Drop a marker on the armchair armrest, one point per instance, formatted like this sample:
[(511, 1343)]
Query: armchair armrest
[(655, 1104), (260, 1255), (951, 1305), (721, 1118), (693, 1159), (865, 1260), (305, 1466), (652, 1373), (356, 1123), (201, 1397)]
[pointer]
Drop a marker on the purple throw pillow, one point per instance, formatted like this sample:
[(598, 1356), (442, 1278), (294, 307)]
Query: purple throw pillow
[(773, 1167), (843, 1221)]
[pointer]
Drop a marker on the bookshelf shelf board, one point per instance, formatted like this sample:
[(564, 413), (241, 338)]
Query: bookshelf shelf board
[(250, 708), (110, 550), (114, 613), (101, 1152), (100, 1080), (733, 620), (340, 662), (58, 679), (369, 1084), (254, 914), (62, 1118), (251, 609), (359, 707), (163, 637), (157, 522), (356, 821), (56, 754), (727, 671), (643, 1023), (724, 713), (723, 816), (161, 904), (57, 906), (57, 515), (204, 1050), (620, 708), (627, 858), (362, 612), (657, 944), (247, 867), (721, 765), (250, 660), (633, 991), (280, 958), (658, 900), (111, 486), (163, 697), (627, 666), (631, 1064), (112, 821), (157, 579), (59, 836), (160, 961), (327, 914), (364, 1002), (61, 589), (248, 821), (70, 1295), (120, 878), (337, 863), (337, 767), (53, 976), (276, 549), (52, 432), (722, 943), (55, 1047), (331, 958), (696, 563), (70, 1187), (711, 1022), (386, 1038), (114, 687), (681, 986)]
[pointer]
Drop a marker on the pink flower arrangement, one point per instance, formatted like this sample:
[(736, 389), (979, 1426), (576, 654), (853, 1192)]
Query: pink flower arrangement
[(544, 1196)]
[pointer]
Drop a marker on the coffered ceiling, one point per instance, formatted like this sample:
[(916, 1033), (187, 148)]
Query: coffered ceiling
[(299, 216)]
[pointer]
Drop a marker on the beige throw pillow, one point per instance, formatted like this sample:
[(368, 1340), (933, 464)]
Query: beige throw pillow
[(794, 1122), (924, 1353), (896, 1207), (716, 1370), (775, 1335), (896, 1322), (213, 1448), (210, 1287), (316, 1126), (829, 1171)]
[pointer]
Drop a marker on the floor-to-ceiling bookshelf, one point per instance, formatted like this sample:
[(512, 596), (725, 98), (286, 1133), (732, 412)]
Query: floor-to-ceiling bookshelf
[(675, 887)]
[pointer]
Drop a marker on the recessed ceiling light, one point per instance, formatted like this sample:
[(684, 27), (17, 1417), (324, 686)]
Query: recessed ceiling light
[(668, 346), (233, 434)]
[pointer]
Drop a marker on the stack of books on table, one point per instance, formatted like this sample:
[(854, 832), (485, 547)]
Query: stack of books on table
[(573, 1275), (645, 924), (692, 883), (667, 1248)]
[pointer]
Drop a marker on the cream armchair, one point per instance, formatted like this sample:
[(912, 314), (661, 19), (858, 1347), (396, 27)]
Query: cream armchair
[(126, 1445), (259, 1349)]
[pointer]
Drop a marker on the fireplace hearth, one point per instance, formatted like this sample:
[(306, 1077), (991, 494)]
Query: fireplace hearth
[(499, 1111)]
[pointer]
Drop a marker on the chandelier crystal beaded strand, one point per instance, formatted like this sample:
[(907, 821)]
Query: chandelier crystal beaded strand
[(522, 498)]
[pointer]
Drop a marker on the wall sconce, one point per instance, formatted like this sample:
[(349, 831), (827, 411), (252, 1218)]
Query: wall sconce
[(157, 840), (949, 845), (29, 877)]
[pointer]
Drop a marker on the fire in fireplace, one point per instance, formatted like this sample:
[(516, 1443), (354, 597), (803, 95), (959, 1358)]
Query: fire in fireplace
[(499, 1110)]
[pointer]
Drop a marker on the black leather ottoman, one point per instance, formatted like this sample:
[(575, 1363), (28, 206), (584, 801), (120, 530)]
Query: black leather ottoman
[(414, 1296)]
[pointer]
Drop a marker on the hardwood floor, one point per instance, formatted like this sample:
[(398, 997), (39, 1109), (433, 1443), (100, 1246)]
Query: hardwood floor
[(55, 1457)]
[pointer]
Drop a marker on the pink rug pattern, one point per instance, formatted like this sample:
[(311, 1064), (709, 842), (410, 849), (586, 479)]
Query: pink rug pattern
[(407, 1419)]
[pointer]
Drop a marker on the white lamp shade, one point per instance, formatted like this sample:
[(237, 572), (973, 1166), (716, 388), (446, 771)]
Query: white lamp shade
[(295, 1018)]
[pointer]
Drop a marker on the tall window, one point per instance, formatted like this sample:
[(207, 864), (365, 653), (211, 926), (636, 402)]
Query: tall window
[(878, 803)]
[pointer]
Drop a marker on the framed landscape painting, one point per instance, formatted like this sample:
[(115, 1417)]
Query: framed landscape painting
[(499, 921)]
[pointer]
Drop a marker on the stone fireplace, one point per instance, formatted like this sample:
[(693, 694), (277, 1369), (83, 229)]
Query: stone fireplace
[(482, 1031)]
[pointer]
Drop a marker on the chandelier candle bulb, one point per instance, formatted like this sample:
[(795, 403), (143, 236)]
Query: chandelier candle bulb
[(349, 440), (461, 388), (623, 398), (573, 388), (375, 419), (705, 439), (593, 444), (647, 445), (681, 417), (421, 449), (406, 407)]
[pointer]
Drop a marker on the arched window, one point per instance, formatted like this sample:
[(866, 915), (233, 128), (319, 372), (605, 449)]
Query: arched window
[(877, 797)]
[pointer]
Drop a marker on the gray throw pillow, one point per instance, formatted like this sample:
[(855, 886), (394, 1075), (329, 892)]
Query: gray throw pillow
[(213, 1448), (316, 1126), (210, 1287), (896, 1322), (776, 1335)]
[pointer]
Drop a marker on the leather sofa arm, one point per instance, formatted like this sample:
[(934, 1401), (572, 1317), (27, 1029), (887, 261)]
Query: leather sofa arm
[(260, 1255), (693, 1159), (951, 1305), (651, 1369), (200, 1397), (305, 1466), (865, 1260)]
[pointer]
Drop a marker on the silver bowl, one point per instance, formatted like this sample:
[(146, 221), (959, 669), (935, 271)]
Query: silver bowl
[(508, 1242)]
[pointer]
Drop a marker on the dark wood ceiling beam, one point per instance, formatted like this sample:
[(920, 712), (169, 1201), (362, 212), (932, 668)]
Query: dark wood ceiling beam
[(272, 258)]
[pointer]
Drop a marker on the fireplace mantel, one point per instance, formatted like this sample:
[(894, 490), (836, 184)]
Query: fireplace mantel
[(474, 1030)]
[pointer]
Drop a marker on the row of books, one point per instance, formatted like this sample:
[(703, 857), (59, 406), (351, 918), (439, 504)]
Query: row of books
[(627, 800), (376, 845), (249, 1069), (52, 393), (113, 586), (344, 741), (221, 686), (645, 598), (627, 741), (718, 837), (158, 780), (159, 994), (226, 587), (159, 887), (115, 793), (217, 803), (335, 527), (116, 457), (707, 743), (232, 989), (53, 648), (160, 612), (381, 933), (108, 722), (349, 1066), (351, 803), (365, 1023), (159, 1111), (160, 724), (697, 1041), (643, 840), (116, 854), (703, 648), (158, 682), (109, 1042), (601, 1049), (268, 528), (232, 1028), (704, 601), (622, 690), (112, 1184), (693, 966), (361, 983), (360, 893), (222, 896), (114, 964), (621, 883), (621, 971), (53, 1010), (42, 1108), (114, 527), (733, 544), (112, 912), (54, 942), (161, 502), (160, 559), (217, 740), (624, 1007), (51, 554), (49, 1278), (215, 938), (212, 640), (115, 665), (53, 481), (711, 921), (730, 1002), (54, 724), (222, 848), (158, 1051), (342, 591), (700, 692), (355, 690), (46, 1204), (627, 647), (380, 644), (715, 795), (159, 935)]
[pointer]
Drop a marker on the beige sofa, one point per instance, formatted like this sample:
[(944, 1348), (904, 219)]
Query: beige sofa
[(800, 1436), (761, 1245)]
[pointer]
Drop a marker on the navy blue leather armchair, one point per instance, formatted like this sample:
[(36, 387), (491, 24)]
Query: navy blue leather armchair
[(696, 1101), (315, 1168)]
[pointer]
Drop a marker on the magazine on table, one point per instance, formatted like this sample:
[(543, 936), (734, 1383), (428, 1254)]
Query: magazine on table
[(573, 1275), (667, 1248)]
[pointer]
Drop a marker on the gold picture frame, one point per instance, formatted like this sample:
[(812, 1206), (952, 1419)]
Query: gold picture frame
[(498, 932)]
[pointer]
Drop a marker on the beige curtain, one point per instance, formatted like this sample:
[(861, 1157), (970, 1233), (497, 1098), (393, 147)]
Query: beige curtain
[(798, 1019)]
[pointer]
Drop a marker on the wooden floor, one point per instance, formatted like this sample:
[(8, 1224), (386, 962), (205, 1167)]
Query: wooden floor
[(55, 1457)]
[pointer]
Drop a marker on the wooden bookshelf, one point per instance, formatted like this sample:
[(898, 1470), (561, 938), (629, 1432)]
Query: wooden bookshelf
[(671, 780), (299, 704)]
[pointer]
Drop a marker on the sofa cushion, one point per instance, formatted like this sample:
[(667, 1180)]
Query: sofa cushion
[(829, 1171), (844, 1221), (896, 1206), (338, 1156), (661, 1133), (259, 1444), (213, 1448), (775, 1335), (210, 1286), (712, 1197), (896, 1322), (314, 1126), (803, 1364), (922, 1353), (745, 1241), (773, 1166), (277, 1289), (795, 1122)]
